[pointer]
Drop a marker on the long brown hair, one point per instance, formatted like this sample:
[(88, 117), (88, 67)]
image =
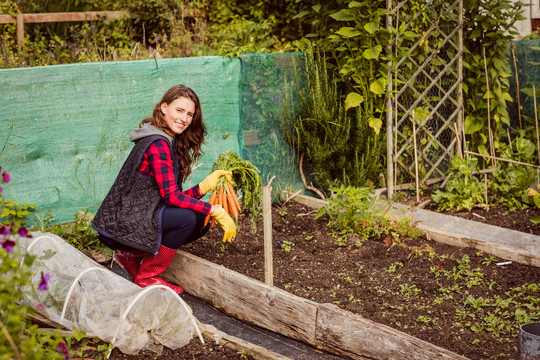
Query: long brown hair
[(188, 144)]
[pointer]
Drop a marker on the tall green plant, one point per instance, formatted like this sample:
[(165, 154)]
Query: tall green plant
[(339, 145), (489, 26), (355, 34)]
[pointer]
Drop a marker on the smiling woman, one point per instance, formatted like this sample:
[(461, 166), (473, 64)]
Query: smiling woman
[(147, 216), (178, 114)]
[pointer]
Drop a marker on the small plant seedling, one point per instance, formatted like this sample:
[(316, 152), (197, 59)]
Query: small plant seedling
[(286, 246), (393, 267)]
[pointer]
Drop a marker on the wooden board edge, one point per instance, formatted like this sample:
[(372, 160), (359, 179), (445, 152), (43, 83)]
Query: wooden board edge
[(352, 335), (245, 298)]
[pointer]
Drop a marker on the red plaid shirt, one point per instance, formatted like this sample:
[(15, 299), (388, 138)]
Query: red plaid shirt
[(157, 162)]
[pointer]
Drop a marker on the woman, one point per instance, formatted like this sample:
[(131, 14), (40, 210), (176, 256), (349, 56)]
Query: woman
[(146, 216)]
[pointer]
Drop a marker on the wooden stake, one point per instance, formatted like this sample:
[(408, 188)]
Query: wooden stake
[(501, 159), (517, 85), (267, 222), (485, 191), (509, 139), (490, 139), (536, 121), (415, 158), (458, 142)]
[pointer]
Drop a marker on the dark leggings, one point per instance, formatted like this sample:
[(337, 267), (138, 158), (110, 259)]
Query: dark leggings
[(181, 226), (178, 227)]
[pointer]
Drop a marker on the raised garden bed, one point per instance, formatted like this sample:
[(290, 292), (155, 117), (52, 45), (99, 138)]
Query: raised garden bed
[(444, 297)]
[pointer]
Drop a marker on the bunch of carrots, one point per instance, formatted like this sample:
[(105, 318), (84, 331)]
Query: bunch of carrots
[(225, 196)]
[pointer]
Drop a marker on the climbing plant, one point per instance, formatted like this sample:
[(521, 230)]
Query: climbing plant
[(489, 26)]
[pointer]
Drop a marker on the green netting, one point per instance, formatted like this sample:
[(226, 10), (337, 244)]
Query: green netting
[(269, 97), (527, 60), (65, 129)]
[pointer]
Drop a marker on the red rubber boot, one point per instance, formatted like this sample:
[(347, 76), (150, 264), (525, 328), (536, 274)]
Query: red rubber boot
[(153, 266), (130, 260)]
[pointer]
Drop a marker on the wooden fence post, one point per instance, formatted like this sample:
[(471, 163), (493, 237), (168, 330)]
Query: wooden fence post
[(20, 29), (267, 222)]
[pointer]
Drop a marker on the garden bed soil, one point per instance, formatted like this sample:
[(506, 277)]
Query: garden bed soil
[(495, 215), (194, 350), (456, 298)]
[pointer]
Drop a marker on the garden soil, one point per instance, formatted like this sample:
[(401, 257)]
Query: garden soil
[(390, 280)]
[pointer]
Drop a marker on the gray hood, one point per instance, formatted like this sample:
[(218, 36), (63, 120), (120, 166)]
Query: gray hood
[(146, 130)]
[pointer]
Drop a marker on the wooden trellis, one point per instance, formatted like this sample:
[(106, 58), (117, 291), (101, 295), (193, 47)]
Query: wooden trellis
[(426, 83)]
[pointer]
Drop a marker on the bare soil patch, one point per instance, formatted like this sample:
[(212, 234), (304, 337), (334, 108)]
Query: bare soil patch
[(194, 350), (445, 295)]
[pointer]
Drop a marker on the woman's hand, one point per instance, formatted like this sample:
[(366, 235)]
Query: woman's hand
[(210, 183), (227, 224)]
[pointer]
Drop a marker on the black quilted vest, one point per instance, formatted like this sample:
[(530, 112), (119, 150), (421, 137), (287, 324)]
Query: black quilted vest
[(131, 212)]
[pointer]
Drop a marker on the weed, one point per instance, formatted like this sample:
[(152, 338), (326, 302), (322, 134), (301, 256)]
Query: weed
[(286, 246), (244, 354), (393, 267), (408, 290)]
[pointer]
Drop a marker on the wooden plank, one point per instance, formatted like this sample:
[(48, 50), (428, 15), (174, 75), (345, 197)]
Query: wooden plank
[(64, 16), (352, 335), (452, 230), (41, 320), (245, 298), (7, 19)]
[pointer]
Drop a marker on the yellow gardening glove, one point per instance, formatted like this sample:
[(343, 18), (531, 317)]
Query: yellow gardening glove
[(210, 183), (227, 224)]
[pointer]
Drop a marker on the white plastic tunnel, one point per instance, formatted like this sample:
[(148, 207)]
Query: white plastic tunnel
[(86, 296)]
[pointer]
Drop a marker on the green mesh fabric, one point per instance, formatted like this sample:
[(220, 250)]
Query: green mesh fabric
[(65, 129), (527, 58), (269, 96)]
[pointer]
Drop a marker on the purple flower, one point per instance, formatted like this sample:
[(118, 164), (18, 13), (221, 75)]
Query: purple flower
[(4, 230), (6, 177), (8, 245), (44, 279), (24, 232), (62, 349)]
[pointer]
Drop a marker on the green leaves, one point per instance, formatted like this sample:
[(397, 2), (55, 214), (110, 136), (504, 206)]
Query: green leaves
[(353, 100), (375, 123), (378, 86), (344, 15), (463, 191), (348, 32), (372, 27), (372, 53)]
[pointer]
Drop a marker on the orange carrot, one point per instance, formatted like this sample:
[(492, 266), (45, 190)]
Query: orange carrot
[(220, 196), (235, 198), (212, 222), (232, 206), (225, 202), (212, 201)]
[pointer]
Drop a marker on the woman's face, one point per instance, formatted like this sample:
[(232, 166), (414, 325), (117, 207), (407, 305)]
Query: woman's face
[(178, 114)]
